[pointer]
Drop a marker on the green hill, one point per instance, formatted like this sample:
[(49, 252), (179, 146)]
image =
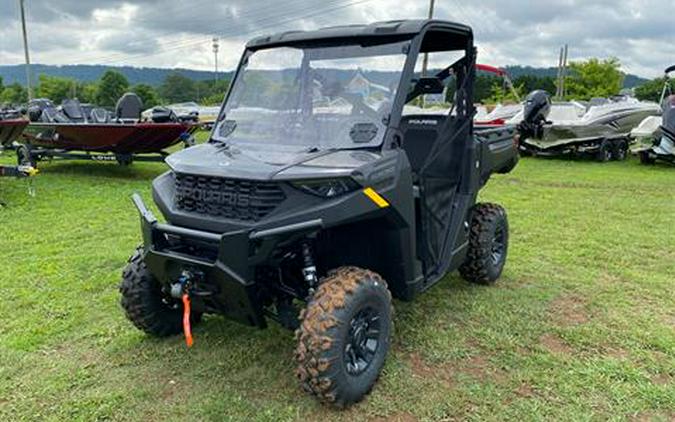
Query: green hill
[(91, 73), (155, 76)]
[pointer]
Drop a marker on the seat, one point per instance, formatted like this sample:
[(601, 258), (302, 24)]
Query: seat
[(129, 108), (99, 115), (73, 111), (420, 132), (52, 115)]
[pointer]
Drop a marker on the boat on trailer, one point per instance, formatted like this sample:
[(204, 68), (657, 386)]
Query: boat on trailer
[(655, 137), (502, 113), (601, 130), (12, 126), (73, 132)]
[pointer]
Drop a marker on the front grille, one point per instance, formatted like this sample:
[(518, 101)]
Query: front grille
[(242, 200)]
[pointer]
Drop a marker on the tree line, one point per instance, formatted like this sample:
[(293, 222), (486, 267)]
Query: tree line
[(585, 80), (112, 85), (593, 78)]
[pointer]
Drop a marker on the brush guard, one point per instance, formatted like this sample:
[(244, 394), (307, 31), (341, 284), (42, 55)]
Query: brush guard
[(229, 288)]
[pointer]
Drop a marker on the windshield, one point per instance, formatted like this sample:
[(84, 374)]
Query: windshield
[(314, 97)]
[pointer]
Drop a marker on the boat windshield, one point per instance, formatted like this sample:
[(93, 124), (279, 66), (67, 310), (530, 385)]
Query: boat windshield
[(313, 97)]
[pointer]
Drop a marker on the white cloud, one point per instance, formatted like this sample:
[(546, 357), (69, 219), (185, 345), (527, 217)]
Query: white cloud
[(178, 33)]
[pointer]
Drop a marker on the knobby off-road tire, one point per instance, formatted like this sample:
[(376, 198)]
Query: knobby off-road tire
[(144, 303), (344, 336), (488, 244)]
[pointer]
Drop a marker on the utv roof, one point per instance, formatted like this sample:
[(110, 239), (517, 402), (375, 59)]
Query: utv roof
[(396, 29)]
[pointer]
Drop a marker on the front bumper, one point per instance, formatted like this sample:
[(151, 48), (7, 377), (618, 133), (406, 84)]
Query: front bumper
[(226, 285)]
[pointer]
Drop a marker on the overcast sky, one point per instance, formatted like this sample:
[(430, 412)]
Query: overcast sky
[(178, 33)]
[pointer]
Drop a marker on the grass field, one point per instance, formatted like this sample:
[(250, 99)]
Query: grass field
[(581, 327)]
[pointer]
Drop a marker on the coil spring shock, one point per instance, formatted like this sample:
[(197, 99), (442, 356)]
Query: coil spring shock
[(309, 269)]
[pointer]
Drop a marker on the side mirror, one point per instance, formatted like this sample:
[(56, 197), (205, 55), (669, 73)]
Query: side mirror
[(429, 85)]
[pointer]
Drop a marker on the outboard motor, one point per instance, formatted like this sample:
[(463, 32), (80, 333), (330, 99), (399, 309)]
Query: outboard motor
[(191, 117), (667, 144), (8, 114), (43, 110), (34, 113), (535, 112), (163, 115)]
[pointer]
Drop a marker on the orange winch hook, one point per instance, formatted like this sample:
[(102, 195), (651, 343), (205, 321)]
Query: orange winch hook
[(187, 330)]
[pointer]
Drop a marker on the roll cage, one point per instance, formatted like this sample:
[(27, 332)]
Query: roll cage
[(424, 36)]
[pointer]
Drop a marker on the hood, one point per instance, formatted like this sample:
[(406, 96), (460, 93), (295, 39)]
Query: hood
[(265, 163)]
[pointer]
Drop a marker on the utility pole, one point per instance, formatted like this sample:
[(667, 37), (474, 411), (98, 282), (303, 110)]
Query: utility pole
[(25, 49), (216, 46), (425, 62), (561, 90), (558, 90), (564, 72)]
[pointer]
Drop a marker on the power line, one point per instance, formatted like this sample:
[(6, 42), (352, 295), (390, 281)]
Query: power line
[(256, 14), (262, 23)]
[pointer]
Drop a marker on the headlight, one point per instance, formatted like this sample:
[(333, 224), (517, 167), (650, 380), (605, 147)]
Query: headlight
[(327, 188)]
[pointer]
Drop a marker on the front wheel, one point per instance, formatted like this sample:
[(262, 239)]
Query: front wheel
[(25, 157), (344, 336), (488, 244), (148, 307)]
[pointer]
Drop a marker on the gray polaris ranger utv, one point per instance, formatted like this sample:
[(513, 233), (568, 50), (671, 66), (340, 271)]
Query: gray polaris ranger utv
[(324, 190)]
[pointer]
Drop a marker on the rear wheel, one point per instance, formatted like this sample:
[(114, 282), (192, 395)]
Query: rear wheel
[(124, 159), (488, 244), (646, 158), (344, 336), (604, 153), (620, 150), (190, 141), (145, 304), (524, 152)]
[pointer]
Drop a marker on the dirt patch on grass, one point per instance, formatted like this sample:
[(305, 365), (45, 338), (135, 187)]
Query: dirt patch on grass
[(569, 310), (79, 355), (422, 369), (525, 391), (663, 379), (397, 417), (555, 344), (480, 368), (476, 366), (653, 416), (616, 353)]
